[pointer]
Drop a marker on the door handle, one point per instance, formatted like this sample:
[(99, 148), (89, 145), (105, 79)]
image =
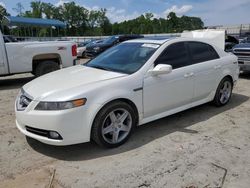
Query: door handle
[(187, 75), (191, 74), (217, 66)]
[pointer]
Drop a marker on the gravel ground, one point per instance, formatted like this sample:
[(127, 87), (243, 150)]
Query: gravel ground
[(203, 147)]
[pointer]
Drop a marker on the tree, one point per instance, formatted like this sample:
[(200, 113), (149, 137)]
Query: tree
[(48, 9), (81, 21), (75, 16), (36, 7), (3, 12), (19, 9)]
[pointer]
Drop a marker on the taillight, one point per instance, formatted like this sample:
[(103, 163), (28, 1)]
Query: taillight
[(74, 50)]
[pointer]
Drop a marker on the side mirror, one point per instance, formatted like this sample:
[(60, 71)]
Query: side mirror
[(161, 69)]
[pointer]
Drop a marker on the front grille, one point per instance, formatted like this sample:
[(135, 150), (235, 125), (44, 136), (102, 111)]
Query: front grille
[(242, 50), (36, 131), (243, 58), (242, 54)]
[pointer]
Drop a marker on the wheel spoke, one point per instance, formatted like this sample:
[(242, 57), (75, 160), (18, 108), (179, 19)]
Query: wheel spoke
[(222, 98), (124, 128), (225, 86), (123, 116), (113, 117), (108, 129), (116, 126), (115, 136)]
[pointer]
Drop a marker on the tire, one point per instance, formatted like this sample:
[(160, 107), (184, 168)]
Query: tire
[(113, 124), (45, 67), (223, 92), (83, 54)]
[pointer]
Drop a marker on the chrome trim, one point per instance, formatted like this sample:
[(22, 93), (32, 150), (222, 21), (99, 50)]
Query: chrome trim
[(23, 100), (26, 94)]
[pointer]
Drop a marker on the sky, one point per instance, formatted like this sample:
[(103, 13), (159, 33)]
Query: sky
[(212, 12)]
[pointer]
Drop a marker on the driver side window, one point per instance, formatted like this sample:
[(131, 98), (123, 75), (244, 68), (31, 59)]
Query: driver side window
[(175, 55)]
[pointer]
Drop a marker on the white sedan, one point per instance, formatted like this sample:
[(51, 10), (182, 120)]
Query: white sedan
[(130, 84)]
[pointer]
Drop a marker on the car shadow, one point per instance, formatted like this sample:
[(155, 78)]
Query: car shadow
[(143, 134), (14, 83)]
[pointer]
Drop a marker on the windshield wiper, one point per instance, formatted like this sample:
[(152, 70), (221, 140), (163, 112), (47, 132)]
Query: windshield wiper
[(106, 69)]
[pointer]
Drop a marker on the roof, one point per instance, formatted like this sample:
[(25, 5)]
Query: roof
[(15, 21), (152, 40)]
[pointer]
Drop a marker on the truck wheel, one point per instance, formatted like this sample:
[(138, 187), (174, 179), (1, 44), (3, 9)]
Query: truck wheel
[(46, 67)]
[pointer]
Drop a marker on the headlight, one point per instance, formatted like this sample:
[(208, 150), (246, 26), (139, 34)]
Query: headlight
[(97, 48), (60, 105)]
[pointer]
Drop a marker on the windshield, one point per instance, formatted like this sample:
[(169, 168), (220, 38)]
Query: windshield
[(82, 44), (110, 40), (125, 58)]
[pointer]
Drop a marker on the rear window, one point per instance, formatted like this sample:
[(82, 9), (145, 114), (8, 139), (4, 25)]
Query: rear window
[(202, 52)]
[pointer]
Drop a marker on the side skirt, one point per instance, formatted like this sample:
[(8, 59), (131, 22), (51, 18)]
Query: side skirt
[(174, 111)]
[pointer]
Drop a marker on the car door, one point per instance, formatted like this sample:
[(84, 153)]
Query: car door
[(165, 92), (3, 59), (207, 69)]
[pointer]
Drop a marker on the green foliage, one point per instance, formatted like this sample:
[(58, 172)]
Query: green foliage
[(146, 24), (3, 12), (81, 21)]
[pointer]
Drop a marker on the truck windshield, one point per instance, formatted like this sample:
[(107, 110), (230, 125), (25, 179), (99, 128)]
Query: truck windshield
[(124, 58)]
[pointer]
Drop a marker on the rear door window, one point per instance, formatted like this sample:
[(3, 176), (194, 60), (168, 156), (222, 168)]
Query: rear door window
[(176, 55), (202, 52)]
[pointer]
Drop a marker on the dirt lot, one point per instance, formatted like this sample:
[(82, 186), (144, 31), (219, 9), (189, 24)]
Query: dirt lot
[(195, 148)]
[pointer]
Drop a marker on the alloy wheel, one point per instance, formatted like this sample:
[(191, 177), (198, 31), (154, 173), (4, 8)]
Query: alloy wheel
[(225, 92), (116, 126)]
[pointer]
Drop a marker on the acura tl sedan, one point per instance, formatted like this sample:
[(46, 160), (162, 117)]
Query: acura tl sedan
[(131, 84)]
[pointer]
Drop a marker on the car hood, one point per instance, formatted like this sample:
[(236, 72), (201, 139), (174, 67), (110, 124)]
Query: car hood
[(101, 45), (63, 81)]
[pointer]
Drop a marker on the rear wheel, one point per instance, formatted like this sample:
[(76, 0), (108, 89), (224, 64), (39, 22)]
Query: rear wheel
[(224, 92), (113, 124), (46, 67)]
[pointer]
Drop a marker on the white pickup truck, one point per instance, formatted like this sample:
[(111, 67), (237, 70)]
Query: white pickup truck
[(37, 58)]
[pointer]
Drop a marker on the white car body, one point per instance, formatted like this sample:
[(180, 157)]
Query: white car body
[(153, 96), (80, 51), (21, 57)]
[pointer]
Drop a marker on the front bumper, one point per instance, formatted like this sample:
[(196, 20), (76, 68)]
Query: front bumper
[(73, 125), (80, 53), (92, 54), (244, 65)]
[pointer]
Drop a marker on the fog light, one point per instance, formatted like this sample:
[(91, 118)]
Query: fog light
[(54, 135)]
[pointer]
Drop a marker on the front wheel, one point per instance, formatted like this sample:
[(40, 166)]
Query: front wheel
[(113, 124), (224, 92)]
